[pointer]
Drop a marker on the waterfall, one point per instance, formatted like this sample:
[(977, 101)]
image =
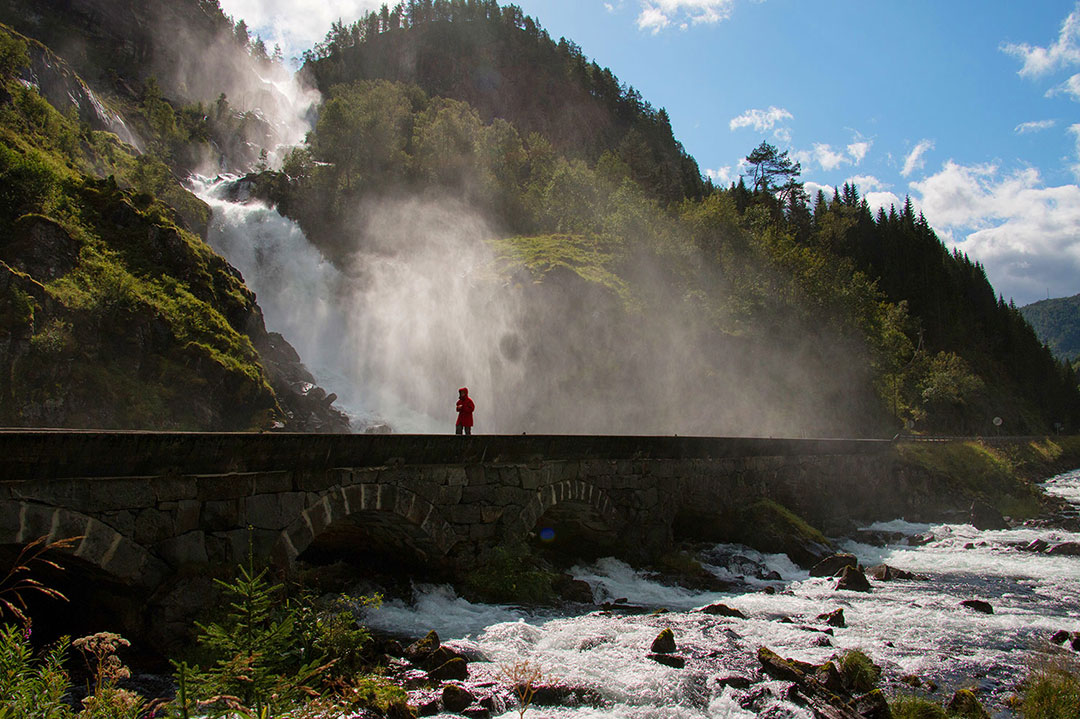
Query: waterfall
[(394, 335)]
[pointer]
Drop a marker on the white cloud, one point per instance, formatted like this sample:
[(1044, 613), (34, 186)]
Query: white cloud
[(867, 183), (760, 120), (783, 135), (1065, 51), (659, 14), (812, 188), (1075, 130), (1025, 128), (828, 158), (652, 18), (1069, 87), (914, 160), (721, 177), (883, 200), (296, 24), (858, 150), (1025, 234)]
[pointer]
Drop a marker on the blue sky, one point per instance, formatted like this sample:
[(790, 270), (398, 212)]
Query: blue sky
[(970, 107)]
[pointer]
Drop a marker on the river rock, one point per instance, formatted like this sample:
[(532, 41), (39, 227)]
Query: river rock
[(832, 565), (1060, 637), (853, 580), (885, 573), (978, 605), (562, 695), (813, 682), (456, 668), (1036, 545), (835, 618), (439, 657), (1074, 641), (421, 649), (456, 698), (572, 590), (476, 711), (722, 610), (1068, 549), (984, 517), (919, 540), (964, 704), (734, 681), (664, 642), (671, 660)]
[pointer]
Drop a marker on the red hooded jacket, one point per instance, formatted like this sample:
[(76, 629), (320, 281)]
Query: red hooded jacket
[(465, 409)]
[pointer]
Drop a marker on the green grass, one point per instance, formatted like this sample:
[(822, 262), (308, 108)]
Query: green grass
[(859, 672), (912, 707), (1051, 693)]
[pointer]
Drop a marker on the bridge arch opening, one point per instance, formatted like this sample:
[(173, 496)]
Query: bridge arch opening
[(571, 522), (374, 526)]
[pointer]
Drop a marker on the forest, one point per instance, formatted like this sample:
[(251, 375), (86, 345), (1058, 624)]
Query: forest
[(838, 319)]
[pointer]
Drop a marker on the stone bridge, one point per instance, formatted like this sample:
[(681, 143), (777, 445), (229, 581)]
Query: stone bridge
[(151, 505)]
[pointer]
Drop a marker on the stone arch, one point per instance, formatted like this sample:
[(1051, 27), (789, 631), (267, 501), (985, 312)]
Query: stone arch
[(101, 546), (566, 494), (340, 506)]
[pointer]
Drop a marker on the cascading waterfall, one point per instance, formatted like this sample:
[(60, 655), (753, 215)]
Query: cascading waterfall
[(411, 320), (910, 627)]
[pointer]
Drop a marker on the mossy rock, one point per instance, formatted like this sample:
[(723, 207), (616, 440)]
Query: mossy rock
[(966, 705), (770, 527)]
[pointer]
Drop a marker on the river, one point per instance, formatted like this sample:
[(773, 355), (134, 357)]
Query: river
[(909, 627)]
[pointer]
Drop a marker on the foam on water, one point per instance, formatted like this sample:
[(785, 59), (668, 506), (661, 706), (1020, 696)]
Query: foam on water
[(908, 626)]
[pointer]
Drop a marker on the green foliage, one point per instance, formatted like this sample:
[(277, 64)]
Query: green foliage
[(510, 575), (913, 707), (1052, 692), (860, 674), (982, 471), (1057, 323), (13, 55), (31, 688)]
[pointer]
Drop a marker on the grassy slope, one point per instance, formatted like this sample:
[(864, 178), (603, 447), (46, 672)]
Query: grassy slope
[(146, 327)]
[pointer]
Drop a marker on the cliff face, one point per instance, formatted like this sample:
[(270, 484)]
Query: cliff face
[(113, 313)]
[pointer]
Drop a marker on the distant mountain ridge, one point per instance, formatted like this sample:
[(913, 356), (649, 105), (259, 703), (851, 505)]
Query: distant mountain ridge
[(1057, 323)]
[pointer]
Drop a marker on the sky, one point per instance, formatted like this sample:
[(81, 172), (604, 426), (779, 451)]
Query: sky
[(970, 107)]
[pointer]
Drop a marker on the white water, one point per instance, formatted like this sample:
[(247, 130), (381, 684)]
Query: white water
[(909, 627), (395, 338)]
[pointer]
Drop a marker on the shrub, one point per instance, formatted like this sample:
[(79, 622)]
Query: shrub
[(510, 575), (912, 707), (29, 688)]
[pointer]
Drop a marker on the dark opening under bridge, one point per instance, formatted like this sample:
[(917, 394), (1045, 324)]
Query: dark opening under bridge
[(150, 504)]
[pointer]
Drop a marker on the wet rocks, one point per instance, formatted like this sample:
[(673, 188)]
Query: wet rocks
[(833, 565), (572, 590), (722, 610), (885, 573), (664, 642), (456, 668), (421, 649), (670, 660), (983, 517), (851, 579), (1061, 637), (824, 688), (456, 698), (834, 618), (1068, 549), (964, 704), (978, 605)]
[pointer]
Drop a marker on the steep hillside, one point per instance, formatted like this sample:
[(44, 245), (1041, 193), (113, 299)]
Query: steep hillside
[(112, 312), (1057, 323)]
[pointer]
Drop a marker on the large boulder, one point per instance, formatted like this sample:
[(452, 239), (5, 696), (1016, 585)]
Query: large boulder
[(984, 517), (853, 580), (664, 642), (978, 605), (885, 573), (965, 705), (833, 564)]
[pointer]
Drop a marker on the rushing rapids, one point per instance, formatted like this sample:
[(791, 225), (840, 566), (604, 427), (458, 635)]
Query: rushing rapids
[(911, 627)]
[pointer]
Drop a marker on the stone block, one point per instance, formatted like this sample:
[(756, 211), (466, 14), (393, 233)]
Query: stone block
[(153, 526), (505, 496), (112, 494), (273, 511), (481, 532), (185, 550), (456, 476), (473, 495), (315, 480), (530, 478), (123, 521), (222, 515), (173, 489), (479, 475), (188, 514), (510, 475), (272, 482), (448, 495), (464, 514), (73, 494), (491, 514), (225, 486)]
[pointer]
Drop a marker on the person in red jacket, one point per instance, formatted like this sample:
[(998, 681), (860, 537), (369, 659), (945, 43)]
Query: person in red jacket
[(465, 409)]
